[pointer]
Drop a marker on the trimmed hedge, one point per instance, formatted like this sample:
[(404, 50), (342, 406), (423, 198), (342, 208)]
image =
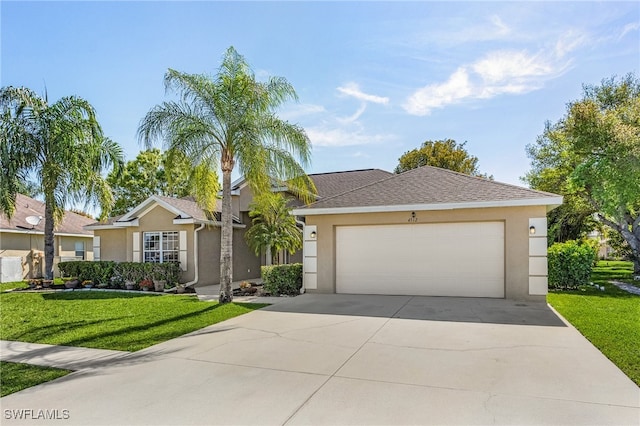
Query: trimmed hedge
[(114, 274), (570, 264), (100, 272), (282, 279)]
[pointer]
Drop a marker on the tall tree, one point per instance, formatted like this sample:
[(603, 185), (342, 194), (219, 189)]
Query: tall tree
[(446, 154), (598, 141), (63, 146), (226, 120), (151, 173), (273, 227), (555, 161)]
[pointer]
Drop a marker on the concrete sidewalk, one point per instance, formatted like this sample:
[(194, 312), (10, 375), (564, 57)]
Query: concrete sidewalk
[(344, 359)]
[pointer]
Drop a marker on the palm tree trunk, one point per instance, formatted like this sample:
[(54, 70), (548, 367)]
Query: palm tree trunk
[(48, 237), (226, 231)]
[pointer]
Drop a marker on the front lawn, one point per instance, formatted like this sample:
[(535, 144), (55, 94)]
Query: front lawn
[(107, 320), (14, 377), (12, 285), (609, 319)]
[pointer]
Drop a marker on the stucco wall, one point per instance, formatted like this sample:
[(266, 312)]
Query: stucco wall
[(516, 221), (209, 256), (21, 245), (113, 244)]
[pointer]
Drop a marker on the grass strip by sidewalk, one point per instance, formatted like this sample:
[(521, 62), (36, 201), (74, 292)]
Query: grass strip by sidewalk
[(107, 320), (14, 376), (609, 319)]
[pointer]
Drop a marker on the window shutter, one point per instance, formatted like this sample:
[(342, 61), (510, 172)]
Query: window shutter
[(136, 247), (183, 250), (96, 248)]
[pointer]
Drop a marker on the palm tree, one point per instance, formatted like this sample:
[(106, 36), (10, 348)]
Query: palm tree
[(62, 146), (273, 227), (226, 120)]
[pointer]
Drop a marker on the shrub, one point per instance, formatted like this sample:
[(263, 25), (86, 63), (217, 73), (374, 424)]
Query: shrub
[(99, 272), (570, 264), (283, 279)]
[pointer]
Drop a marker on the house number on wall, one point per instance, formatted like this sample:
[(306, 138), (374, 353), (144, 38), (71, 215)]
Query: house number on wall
[(413, 218)]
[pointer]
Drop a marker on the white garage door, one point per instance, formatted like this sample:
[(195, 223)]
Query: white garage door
[(445, 259)]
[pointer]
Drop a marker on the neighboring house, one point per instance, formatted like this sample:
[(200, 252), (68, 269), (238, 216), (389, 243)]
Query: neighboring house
[(171, 229), (22, 243), (432, 232)]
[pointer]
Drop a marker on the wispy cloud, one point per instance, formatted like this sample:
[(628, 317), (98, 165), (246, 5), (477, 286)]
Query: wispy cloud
[(295, 111), (496, 73), (353, 90), (336, 131), (633, 26), (355, 116), (329, 136)]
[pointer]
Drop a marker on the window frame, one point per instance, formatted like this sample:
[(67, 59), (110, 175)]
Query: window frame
[(165, 249)]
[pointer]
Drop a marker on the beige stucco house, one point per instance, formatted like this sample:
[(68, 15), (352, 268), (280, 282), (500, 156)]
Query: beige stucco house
[(22, 243), (432, 232), (163, 229), (171, 229)]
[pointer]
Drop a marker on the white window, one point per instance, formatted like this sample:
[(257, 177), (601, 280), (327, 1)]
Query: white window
[(159, 247), (79, 249)]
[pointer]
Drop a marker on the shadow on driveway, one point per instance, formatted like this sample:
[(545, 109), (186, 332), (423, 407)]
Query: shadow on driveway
[(457, 309)]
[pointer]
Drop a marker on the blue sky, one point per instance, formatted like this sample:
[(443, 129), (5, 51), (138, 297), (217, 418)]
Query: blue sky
[(375, 79)]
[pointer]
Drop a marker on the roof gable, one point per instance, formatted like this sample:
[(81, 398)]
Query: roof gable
[(430, 187), (185, 210)]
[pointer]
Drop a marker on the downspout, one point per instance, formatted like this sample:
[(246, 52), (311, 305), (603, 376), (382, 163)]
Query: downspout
[(195, 256), (299, 222)]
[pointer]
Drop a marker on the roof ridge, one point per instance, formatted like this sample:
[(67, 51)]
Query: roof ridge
[(440, 169), (347, 171), (392, 175)]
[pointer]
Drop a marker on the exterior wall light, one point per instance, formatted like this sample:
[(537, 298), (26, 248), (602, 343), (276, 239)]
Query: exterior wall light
[(532, 230), (313, 234)]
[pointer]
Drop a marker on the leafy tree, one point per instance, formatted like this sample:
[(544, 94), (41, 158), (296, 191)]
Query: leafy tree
[(594, 154), (274, 228), (226, 120), (446, 154), (555, 162), (151, 173), (62, 145)]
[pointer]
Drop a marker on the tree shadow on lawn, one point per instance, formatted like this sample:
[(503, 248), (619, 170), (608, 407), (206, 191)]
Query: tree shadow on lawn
[(95, 295), (137, 337)]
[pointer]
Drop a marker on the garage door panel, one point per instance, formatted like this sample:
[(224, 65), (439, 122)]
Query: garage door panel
[(461, 259)]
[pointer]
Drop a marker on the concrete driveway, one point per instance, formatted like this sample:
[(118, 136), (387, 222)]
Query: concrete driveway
[(340, 359)]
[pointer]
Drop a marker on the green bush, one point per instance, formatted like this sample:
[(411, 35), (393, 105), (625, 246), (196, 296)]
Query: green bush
[(570, 264), (282, 279), (100, 272), (114, 274)]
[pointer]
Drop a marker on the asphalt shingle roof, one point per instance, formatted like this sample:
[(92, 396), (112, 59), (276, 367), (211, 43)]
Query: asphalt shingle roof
[(72, 223), (428, 185), (335, 183)]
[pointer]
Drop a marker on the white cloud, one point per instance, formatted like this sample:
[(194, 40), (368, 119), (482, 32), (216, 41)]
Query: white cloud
[(502, 29), (633, 26), (353, 118), (568, 42), (353, 90), (341, 136), (296, 111), (438, 95), (498, 72)]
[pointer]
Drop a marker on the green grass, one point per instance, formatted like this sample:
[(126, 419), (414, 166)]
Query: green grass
[(11, 286), (15, 377), (107, 320), (610, 319)]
